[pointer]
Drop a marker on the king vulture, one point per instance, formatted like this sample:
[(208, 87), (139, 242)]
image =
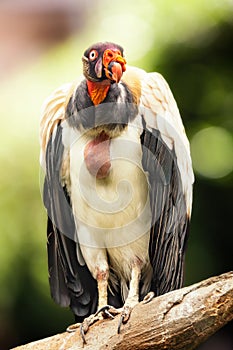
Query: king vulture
[(117, 188)]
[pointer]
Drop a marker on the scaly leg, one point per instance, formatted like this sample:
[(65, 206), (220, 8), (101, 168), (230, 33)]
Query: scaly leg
[(102, 284), (101, 275), (133, 296), (131, 301)]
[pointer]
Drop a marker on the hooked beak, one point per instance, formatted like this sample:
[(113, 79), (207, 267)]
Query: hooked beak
[(114, 65)]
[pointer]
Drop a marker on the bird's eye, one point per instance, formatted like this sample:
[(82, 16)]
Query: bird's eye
[(93, 55)]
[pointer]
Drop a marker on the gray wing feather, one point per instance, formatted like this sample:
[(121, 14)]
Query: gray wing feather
[(170, 221), (71, 284)]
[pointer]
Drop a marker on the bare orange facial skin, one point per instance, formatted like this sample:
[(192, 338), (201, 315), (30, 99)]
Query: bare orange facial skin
[(97, 156), (113, 55), (118, 67)]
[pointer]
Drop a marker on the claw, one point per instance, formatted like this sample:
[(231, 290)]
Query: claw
[(125, 315), (74, 327), (82, 333), (108, 310), (105, 311), (120, 324)]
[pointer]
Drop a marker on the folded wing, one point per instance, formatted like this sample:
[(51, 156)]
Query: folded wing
[(166, 159)]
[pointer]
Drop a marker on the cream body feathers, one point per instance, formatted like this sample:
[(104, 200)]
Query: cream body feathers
[(112, 215)]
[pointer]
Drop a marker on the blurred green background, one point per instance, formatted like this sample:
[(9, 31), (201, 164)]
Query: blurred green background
[(41, 43)]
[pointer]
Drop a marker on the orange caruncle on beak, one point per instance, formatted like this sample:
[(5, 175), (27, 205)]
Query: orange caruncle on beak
[(116, 70), (114, 64)]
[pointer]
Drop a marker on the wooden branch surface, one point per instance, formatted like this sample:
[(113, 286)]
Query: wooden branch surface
[(181, 319)]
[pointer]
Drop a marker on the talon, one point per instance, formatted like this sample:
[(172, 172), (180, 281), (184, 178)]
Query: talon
[(103, 309), (119, 324), (82, 333), (125, 315), (108, 310)]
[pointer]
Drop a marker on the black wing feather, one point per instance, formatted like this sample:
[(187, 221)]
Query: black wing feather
[(170, 222), (71, 283)]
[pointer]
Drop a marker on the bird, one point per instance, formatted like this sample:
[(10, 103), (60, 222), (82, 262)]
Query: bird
[(118, 184)]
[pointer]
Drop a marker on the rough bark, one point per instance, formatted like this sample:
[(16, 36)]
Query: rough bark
[(181, 319)]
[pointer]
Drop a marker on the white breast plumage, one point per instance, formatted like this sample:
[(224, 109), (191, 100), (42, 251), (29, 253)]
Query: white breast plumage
[(120, 199), (112, 213)]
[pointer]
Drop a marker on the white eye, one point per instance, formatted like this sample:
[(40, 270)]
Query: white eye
[(93, 55)]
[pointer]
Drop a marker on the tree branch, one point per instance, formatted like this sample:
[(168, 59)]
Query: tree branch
[(181, 319)]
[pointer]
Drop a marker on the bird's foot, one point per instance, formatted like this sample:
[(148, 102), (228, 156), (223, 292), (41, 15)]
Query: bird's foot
[(104, 312), (85, 325), (110, 311), (128, 307)]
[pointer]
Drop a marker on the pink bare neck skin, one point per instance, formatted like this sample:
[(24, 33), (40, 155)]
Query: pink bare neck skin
[(97, 156)]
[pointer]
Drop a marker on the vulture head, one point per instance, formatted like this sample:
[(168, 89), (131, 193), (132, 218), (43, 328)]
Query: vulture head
[(104, 61)]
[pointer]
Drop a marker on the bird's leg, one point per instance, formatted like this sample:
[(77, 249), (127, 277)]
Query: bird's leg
[(132, 299), (102, 284), (133, 296), (102, 274)]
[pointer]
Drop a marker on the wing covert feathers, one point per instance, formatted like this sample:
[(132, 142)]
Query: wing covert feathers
[(53, 112), (160, 112)]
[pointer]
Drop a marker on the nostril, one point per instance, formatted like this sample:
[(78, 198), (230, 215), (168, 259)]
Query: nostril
[(108, 57)]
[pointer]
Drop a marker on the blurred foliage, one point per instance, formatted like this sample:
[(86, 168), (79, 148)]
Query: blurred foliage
[(191, 44)]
